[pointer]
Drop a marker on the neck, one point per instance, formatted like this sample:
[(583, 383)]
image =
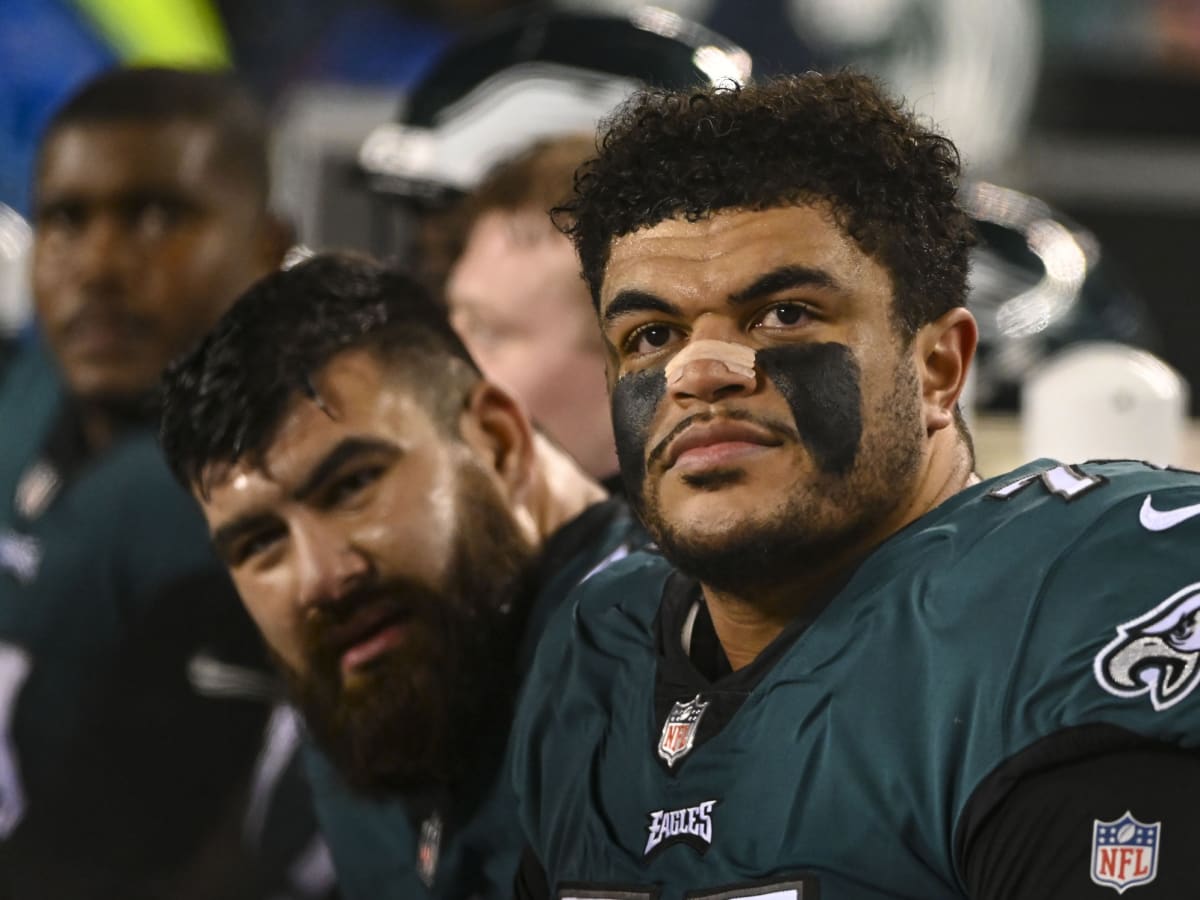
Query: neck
[(101, 423), (745, 624), (560, 489)]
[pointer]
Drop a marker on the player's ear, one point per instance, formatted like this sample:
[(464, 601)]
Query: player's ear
[(496, 428), (943, 352)]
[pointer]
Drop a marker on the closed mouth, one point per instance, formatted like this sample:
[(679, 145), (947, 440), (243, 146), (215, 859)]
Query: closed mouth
[(715, 432)]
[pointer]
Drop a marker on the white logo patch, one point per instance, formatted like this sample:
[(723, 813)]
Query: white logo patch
[(1157, 653), (37, 487), (691, 825), (212, 677), (1161, 519), (679, 731), (21, 555)]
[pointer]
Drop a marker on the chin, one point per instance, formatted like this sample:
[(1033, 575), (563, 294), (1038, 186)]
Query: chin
[(745, 547), (714, 508)]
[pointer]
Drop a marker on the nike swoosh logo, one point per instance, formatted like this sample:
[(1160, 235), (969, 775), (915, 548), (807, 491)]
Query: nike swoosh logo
[(1160, 520)]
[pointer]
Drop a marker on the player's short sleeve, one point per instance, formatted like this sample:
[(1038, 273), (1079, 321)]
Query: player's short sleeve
[(1113, 635)]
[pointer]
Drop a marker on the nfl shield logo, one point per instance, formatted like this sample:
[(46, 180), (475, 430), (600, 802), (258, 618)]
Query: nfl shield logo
[(679, 731), (1124, 852)]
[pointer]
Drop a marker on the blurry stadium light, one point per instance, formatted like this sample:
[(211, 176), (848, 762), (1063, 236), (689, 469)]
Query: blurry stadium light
[(185, 33)]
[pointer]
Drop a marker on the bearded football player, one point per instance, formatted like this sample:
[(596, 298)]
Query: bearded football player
[(401, 537)]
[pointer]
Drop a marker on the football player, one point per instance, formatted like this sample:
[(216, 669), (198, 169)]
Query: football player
[(516, 297), (401, 537), (131, 681), (855, 671)]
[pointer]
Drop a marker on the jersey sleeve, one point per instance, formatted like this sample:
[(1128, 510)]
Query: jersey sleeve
[(1113, 634)]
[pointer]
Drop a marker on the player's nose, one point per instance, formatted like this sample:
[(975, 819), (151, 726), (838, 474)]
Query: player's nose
[(328, 565), (708, 380), (102, 254)]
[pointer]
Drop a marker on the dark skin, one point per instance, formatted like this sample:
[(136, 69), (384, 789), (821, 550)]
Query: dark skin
[(725, 456), (144, 235)]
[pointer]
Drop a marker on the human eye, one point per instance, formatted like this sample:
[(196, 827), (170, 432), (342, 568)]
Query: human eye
[(60, 217), (254, 544), (346, 487), (785, 315), (650, 338)]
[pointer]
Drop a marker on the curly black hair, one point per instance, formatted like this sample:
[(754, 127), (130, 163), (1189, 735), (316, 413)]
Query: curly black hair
[(890, 181), (225, 398)]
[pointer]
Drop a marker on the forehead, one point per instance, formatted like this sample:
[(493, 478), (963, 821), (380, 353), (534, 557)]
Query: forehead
[(357, 396), (721, 253), (518, 261), (118, 157), (357, 393)]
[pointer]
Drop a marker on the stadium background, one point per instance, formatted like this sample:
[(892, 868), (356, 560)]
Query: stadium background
[(1091, 105)]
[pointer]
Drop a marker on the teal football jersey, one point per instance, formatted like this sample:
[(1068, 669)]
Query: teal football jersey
[(456, 847), (855, 757), (132, 683)]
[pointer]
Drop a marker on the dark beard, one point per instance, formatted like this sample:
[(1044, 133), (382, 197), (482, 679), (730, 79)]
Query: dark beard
[(435, 711), (766, 554)]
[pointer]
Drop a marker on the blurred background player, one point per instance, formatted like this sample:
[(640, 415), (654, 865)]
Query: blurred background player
[(516, 297), (401, 537), (131, 702)]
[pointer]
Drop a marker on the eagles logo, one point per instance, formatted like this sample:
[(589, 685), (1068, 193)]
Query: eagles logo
[(1156, 654)]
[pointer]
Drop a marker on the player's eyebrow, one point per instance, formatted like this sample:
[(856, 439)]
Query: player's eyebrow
[(349, 448), (342, 452), (634, 301), (782, 279)]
